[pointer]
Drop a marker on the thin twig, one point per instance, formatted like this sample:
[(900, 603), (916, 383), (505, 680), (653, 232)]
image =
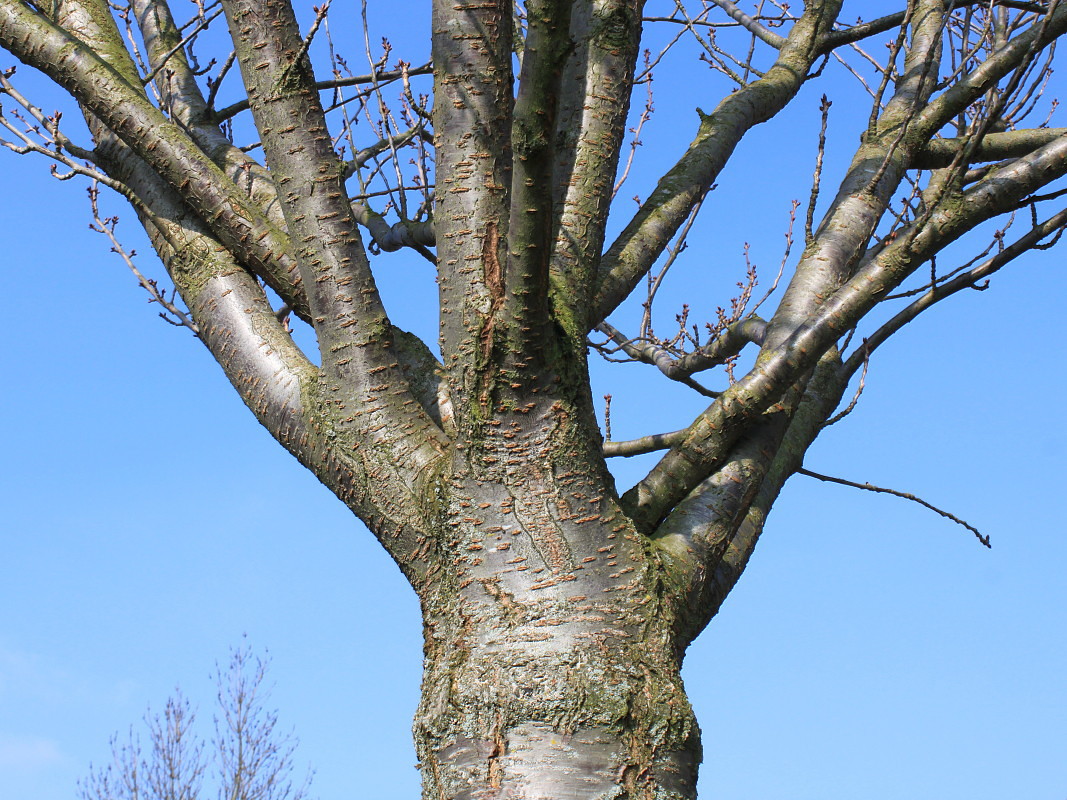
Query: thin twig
[(106, 226), (859, 390), (809, 217), (382, 78), (785, 258), (635, 142), (178, 47), (645, 444), (905, 495), (320, 15)]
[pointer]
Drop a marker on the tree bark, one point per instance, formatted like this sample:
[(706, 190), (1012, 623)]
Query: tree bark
[(551, 661)]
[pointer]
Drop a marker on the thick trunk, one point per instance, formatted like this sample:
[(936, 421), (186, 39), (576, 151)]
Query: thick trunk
[(551, 669)]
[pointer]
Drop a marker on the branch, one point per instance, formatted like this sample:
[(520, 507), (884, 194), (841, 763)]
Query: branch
[(906, 495), (940, 153), (381, 78), (711, 435), (863, 30), (650, 353), (57, 140), (642, 445), (712, 541), (177, 84), (347, 312), (644, 239), (865, 192), (971, 87), (752, 26), (393, 237), (595, 93), (877, 168), (724, 347), (965, 280), (108, 95), (178, 48), (181, 96), (52, 143), (472, 59), (533, 133)]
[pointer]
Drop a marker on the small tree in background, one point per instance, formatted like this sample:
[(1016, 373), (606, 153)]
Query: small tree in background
[(247, 758)]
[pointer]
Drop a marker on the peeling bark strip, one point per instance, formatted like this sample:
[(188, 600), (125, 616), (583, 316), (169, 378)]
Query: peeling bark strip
[(556, 613), (472, 51), (493, 272)]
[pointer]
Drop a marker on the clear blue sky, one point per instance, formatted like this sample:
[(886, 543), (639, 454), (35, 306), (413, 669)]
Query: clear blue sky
[(872, 649)]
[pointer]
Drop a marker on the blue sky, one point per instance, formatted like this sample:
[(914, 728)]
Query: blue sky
[(872, 649)]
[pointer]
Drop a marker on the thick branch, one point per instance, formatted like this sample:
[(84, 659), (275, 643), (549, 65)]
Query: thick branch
[(875, 172), (965, 280), (125, 110), (647, 235), (712, 578), (185, 102), (594, 102), (399, 234), (272, 376), (1008, 58), (176, 83), (297, 143), (533, 129), (177, 49), (472, 133), (353, 330), (711, 435), (939, 153), (865, 30), (233, 318), (707, 527)]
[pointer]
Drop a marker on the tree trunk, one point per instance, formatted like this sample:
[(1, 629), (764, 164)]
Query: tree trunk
[(551, 663)]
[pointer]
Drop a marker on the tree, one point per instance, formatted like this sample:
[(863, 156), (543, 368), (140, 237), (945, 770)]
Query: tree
[(248, 758), (556, 609)]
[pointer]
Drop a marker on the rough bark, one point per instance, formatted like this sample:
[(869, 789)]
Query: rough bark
[(552, 670)]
